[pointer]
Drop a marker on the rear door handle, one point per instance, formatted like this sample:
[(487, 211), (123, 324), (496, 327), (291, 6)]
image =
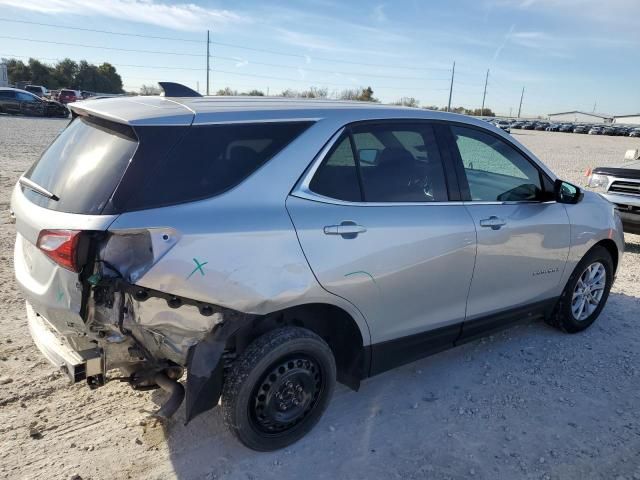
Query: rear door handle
[(345, 229), (495, 223)]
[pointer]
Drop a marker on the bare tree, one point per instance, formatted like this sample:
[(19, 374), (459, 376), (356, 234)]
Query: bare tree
[(149, 90), (227, 92), (407, 102), (359, 94)]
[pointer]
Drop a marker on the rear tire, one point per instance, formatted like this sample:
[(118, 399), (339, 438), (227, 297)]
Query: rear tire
[(278, 388), (586, 292)]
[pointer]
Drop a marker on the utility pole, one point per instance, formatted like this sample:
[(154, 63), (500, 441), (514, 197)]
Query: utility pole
[(453, 73), (198, 86), (510, 111), (594, 106), (520, 107), (486, 80), (208, 62)]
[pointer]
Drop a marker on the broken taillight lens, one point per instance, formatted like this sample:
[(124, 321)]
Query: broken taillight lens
[(61, 246)]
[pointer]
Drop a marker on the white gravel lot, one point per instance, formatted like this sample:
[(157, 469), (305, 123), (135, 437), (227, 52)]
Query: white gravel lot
[(527, 403)]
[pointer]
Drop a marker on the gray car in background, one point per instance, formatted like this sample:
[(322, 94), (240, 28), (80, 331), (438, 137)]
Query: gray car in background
[(271, 247)]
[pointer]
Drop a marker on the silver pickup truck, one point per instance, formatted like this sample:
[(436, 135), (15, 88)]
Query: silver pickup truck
[(621, 186)]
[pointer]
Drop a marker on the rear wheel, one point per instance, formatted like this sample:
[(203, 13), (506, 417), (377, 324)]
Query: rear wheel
[(278, 389), (586, 292)]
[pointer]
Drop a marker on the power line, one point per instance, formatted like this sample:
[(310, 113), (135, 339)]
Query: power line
[(321, 83), (99, 31), (279, 65), (101, 47), (224, 44), (164, 67), (243, 74)]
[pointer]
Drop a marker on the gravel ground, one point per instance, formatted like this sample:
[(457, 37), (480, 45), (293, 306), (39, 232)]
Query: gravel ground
[(526, 403)]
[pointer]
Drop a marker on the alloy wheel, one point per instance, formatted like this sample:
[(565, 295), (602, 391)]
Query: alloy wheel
[(588, 291)]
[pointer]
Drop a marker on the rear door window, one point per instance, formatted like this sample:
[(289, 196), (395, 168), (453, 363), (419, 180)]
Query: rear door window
[(384, 162), (211, 159), (400, 162), (83, 166)]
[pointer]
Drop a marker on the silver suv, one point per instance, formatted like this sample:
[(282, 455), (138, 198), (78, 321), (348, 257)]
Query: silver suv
[(270, 247)]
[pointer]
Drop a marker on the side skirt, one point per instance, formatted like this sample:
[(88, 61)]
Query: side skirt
[(394, 353)]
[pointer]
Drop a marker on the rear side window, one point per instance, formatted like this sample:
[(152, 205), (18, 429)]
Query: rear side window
[(392, 162), (211, 159), (83, 166)]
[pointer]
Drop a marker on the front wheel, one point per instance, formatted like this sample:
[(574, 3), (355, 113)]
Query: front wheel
[(278, 388), (586, 292)]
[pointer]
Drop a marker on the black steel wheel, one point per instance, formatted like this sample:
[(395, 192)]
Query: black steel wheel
[(287, 394), (278, 389)]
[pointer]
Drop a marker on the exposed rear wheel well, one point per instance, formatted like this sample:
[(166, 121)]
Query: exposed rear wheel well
[(612, 248), (333, 324)]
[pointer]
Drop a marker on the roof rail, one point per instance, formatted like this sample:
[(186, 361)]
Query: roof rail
[(172, 89)]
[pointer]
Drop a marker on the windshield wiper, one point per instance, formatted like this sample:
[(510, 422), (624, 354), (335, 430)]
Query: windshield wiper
[(33, 186)]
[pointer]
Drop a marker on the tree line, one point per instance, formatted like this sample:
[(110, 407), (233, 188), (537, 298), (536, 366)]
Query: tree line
[(65, 74)]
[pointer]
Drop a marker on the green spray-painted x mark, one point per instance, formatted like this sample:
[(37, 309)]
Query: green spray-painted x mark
[(198, 268)]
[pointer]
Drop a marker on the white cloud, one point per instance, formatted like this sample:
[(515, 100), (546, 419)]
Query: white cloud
[(187, 16)]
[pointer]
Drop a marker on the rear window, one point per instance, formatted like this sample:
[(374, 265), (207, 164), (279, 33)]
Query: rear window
[(83, 166), (211, 159)]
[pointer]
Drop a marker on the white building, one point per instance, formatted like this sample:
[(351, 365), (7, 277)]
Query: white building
[(4, 76), (627, 119), (580, 117)]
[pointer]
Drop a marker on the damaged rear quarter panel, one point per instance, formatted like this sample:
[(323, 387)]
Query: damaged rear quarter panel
[(230, 253), (253, 266)]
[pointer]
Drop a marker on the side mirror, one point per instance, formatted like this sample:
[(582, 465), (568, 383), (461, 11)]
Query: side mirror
[(566, 192)]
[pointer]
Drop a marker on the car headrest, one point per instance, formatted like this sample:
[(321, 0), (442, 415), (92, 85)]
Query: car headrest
[(395, 156)]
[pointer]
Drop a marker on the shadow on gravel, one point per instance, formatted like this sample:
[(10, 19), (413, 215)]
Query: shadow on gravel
[(496, 407)]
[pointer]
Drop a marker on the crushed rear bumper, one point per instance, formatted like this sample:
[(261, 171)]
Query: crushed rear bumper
[(84, 365)]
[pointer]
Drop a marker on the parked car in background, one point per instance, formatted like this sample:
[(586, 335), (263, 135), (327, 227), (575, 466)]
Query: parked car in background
[(541, 126), (581, 129), (529, 126), (504, 125), (621, 186), (69, 96), (554, 127), (622, 131), (566, 127), (14, 101), (38, 90), (517, 124), (340, 240), (634, 132), (609, 131), (596, 130)]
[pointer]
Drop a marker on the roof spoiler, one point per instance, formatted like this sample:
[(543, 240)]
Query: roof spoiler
[(172, 89)]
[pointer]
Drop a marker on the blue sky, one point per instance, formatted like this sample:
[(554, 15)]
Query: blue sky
[(568, 54)]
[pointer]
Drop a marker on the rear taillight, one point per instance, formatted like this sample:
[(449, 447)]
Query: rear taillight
[(61, 246)]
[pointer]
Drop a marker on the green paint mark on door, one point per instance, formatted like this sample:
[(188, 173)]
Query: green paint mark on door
[(198, 268)]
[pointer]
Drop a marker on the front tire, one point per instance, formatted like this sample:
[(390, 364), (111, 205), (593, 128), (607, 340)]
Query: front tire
[(586, 292), (278, 388)]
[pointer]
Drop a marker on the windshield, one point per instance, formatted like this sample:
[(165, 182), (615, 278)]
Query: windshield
[(83, 166)]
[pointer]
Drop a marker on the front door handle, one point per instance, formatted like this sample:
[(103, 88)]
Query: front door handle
[(345, 229), (494, 222)]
